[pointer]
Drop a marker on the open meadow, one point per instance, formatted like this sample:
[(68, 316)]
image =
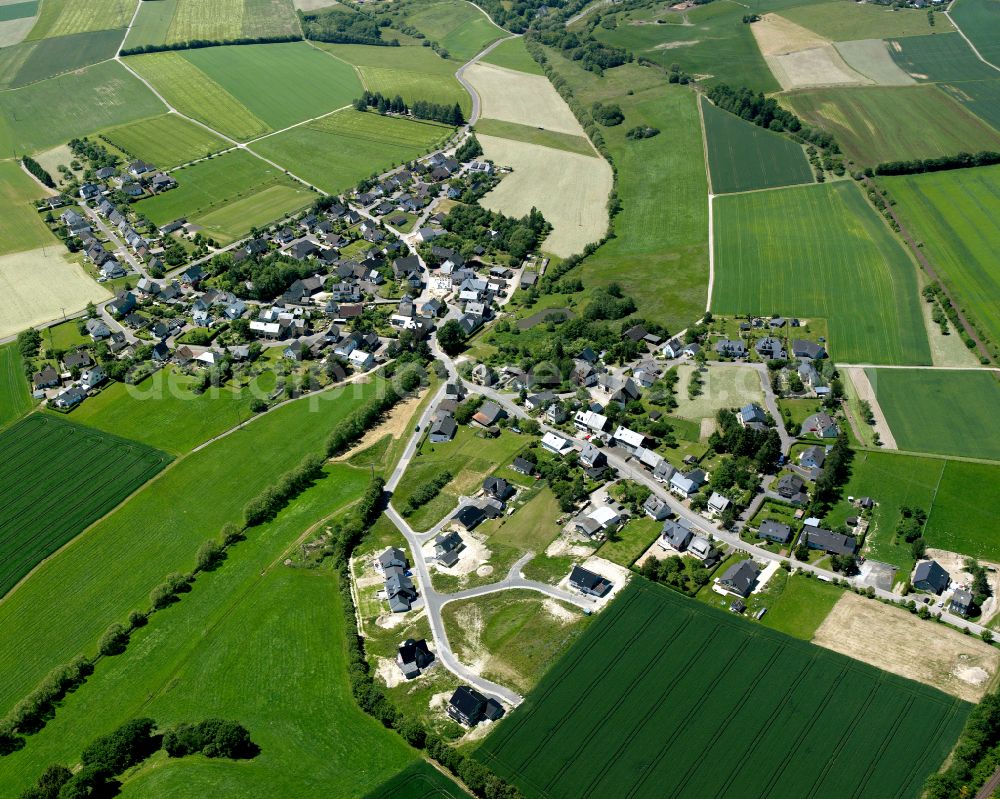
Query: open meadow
[(512, 54), (41, 285), (460, 28), (15, 399), (415, 73), (522, 98), (533, 135), (122, 558), (97, 97), (840, 22), (660, 249), (55, 479), (956, 216), (172, 21), (66, 17), (21, 226), (873, 124), (980, 21), (571, 191), (337, 151), (744, 709), (743, 156), (838, 261), (230, 643), (228, 195), (165, 141), (943, 412)]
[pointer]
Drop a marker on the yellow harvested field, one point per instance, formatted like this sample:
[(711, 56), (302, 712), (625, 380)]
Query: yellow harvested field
[(776, 35), (816, 67), (897, 641), (40, 285), (514, 96), (571, 191)]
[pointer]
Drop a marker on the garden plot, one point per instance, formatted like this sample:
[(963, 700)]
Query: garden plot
[(41, 285), (889, 638), (570, 190), (514, 96)]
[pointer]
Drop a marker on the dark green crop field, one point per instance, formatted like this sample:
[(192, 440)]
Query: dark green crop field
[(664, 696), (742, 156), (56, 478), (940, 57), (820, 251), (980, 21)]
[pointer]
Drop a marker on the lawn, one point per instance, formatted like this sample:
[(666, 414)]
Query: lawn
[(115, 565), (98, 97), (941, 411), (532, 527), (21, 226), (415, 73), (743, 156), (33, 61), (627, 545), (717, 46), (512, 54), (163, 412), (337, 151), (873, 124), (15, 398), (838, 260), (980, 21), (468, 457), (535, 135), (941, 57), (460, 28), (801, 605), (64, 17), (56, 478), (227, 195), (661, 234), (604, 719), (842, 23), (956, 216), (166, 141), (193, 93), (280, 84), (518, 634), (419, 781)]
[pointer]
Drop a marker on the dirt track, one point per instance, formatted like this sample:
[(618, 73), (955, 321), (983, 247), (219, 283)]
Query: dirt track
[(863, 386)]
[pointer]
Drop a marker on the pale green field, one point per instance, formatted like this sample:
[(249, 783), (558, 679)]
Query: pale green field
[(21, 226), (65, 17), (166, 141)]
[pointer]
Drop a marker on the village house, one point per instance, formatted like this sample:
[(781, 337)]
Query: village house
[(589, 583)]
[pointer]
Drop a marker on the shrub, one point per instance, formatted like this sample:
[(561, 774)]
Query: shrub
[(114, 640)]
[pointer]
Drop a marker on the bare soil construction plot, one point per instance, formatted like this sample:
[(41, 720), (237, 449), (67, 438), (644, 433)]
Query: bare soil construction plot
[(799, 58), (519, 97), (895, 640), (40, 285), (570, 190)]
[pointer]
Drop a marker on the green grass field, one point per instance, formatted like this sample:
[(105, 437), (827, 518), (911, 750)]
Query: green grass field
[(21, 226), (279, 83), (65, 17), (419, 781), (741, 711), (98, 97), (171, 21), (193, 93), (956, 215), (661, 234), (152, 23), (842, 23), (15, 398), (415, 73), (717, 47), (980, 21), (941, 412), (966, 505), (115, 565), (337, 151), (801, 606), (57, 478), (631, 541), (163, 412), (895, 123), (981, 97), (166, 141), (460, 28), (941, 57), (33, 61), (742, 156), (532, 135), (512, 54), (225, 647), (821, 251), (228, 195)]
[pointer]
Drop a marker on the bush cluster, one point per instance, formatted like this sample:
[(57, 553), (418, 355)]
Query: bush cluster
[(426, 493), (212, 738)]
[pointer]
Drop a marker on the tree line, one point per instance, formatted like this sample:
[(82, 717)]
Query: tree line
[(38, 171), (198, 44), (592, 55), (940, 164), (275, 497), (766, 113), (337, 26), (426, 493), (419, 109), (974, 757)]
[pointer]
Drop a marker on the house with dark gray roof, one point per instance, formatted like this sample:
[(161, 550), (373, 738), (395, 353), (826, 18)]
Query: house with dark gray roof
[(589, 583), (930, 576), (790, 487), (442, 430), (807, 349), (770, 348), (676, 534), (468, 707), (775, 531), (392, 556), (447, 546), (820, 425), (399, 589), (656, 508), (739, 579), (829, 541), (413, 657), (961, 602)]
